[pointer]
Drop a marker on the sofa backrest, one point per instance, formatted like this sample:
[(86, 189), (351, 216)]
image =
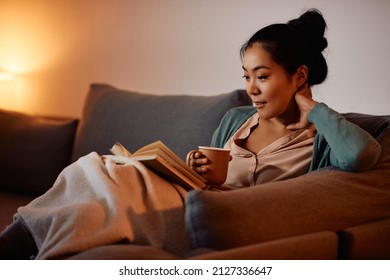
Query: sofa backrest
[(135, 119), (373, 124)]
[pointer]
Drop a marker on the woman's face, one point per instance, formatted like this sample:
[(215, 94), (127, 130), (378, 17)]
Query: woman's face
[(268, 84)]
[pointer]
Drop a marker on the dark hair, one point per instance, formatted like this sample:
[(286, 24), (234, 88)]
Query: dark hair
[(297, 42)]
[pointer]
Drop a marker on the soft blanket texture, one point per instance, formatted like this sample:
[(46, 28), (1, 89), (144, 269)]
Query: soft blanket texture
[(106, 200)]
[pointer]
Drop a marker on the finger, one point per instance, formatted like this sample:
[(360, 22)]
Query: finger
[(198, 154), (200, 161), (305, 91), (194, 163), (294, 126), (190, 157), (312, 130), (309, 93)]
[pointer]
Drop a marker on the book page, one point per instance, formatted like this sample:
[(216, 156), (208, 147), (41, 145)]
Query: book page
[(165, 162), (173, 158), (181, 167), (118, 150)]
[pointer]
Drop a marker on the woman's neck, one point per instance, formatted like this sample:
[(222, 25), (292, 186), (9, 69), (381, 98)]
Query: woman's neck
[(274, 124), (291, 115)]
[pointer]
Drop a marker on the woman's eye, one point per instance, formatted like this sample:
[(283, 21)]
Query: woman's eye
[(262, 77), (246, 77)]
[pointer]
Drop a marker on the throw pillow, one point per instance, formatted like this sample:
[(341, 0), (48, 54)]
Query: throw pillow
[(33, 151)]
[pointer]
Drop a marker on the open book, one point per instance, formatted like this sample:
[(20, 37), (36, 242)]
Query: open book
[(162, 160)]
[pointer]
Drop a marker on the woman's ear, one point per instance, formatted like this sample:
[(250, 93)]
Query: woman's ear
[(301, 75)]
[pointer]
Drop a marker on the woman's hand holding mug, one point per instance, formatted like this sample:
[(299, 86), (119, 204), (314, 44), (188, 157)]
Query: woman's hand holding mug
[(211, 163)]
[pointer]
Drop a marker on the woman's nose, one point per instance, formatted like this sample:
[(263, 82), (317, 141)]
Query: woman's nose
[(252, 89)]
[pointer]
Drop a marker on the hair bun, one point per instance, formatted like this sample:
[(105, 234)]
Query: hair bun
[(313, 26)]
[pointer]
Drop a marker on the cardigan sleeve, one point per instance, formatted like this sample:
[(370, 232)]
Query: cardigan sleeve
[(341, 143)]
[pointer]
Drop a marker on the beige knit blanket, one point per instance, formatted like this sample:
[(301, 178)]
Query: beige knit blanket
[(106, 200)]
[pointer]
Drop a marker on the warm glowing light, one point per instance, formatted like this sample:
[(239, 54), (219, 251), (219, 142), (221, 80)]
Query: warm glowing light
[(33, 37), (7, 91), (29, 40), (5, 77)]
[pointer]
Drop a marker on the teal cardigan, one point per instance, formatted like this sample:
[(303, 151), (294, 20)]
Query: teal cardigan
[(338, 142)]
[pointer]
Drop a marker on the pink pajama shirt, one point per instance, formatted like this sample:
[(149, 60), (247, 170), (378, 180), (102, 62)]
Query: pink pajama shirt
[(287, 157)]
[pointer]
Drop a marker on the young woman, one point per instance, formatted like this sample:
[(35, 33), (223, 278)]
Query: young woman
[(285, 134)]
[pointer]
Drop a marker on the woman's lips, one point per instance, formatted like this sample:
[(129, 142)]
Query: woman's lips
[(259, 104)]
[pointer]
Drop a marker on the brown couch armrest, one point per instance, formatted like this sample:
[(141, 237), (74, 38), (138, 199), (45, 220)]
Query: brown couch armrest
[(367, 241)]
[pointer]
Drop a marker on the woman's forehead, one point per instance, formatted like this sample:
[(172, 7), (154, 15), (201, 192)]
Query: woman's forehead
[(255, 58)]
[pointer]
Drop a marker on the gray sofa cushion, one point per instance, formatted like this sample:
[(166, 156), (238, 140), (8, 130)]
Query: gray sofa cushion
[(322, 200), (33, 151), (181, 122)]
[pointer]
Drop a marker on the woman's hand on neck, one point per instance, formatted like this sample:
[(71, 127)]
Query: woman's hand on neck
[(305, 104)]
